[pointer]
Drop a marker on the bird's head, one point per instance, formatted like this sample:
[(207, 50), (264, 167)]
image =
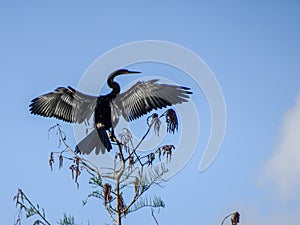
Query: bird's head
[(120, 72), (110, 81)]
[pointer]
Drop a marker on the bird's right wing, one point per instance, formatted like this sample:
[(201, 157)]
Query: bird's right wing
[(66, 104)]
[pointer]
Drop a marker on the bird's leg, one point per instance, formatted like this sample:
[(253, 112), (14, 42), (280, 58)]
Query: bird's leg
[(112, 135)]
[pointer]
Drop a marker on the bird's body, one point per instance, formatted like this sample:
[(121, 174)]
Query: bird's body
[(102, 116), (70, 105)]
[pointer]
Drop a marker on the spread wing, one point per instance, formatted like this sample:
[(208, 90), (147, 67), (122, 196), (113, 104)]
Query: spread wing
[(143, 97), (65, 104)]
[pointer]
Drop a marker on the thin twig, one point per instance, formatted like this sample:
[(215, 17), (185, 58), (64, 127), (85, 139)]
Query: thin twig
[(110, 215), (152, 213), (87, 164), (23, 196), (140, 142), (226, 218)]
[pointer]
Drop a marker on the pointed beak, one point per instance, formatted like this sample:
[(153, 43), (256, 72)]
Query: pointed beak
[(133, 71)]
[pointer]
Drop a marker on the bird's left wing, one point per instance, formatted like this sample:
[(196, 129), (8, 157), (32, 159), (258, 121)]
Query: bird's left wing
[(66, 104), (145, 96)]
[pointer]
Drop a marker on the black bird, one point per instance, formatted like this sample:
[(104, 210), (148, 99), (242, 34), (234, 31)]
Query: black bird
[(67, 104)]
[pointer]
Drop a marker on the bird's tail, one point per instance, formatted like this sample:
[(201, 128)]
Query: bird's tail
[(98, 139)]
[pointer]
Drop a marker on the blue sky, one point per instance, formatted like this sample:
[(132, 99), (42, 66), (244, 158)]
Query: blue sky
[(253, 48)]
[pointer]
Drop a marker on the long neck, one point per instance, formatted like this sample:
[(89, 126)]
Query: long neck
[(113, 85)]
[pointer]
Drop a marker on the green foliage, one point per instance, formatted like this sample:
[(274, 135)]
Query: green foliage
[(96, 180), (155, 202), (68, 220)]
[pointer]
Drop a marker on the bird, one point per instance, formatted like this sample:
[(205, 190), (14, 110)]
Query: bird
[(73, 106)]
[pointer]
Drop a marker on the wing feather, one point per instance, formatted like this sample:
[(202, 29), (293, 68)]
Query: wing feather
[(145, 96), (66, 104)]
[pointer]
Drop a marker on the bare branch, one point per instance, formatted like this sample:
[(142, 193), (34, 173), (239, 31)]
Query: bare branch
[(152, 213), (30, 209)]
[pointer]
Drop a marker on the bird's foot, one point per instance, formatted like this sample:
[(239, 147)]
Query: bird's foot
[(112, 136)]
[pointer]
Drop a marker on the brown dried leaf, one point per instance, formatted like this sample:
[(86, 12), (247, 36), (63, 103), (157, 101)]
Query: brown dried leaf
[(60, 161), (51, 161), (172, 121)]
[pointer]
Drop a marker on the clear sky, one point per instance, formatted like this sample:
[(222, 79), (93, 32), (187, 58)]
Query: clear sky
[(253, 48)]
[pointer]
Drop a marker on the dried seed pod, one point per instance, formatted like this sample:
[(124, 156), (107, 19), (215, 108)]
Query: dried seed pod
[(60, 161), (235, 219), (51, 161), (106, 193), (171, 120)]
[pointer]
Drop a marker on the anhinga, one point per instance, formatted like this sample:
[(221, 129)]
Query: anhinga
[(67, 104)]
